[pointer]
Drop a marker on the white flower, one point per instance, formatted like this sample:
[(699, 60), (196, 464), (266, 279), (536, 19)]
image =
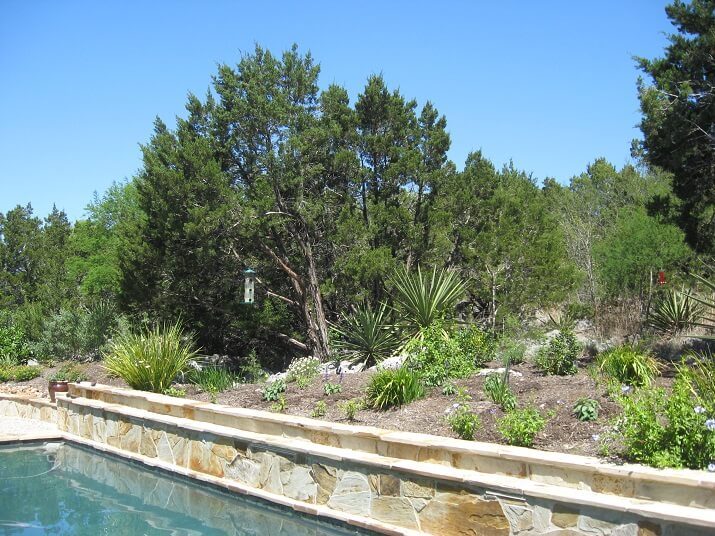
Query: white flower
[(711, 467), (595, 437), (710, 425), (455, 405), (625, 388), (699, 409)]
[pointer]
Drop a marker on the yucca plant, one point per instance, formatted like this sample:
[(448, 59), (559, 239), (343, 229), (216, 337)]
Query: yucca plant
[(366, 336), (675, 312), (423, 299), (707, 317), (150, 360)]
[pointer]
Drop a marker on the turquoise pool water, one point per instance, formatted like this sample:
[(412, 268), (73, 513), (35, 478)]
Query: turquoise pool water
[(58, 488)]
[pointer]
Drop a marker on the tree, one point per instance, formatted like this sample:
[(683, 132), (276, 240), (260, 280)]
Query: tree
[(678, 122), (20, 253)]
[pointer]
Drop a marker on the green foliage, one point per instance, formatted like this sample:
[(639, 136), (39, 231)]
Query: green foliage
[(437, 357), (559, 356), (586, 409), (463, 421), (213, 379), (425, 300), (496, 386), (150, 360), (69, 372), (512, 351), (393, 387), (351, 407), (13, 345), (666, 429), (677, 119), (331, 388), (629, 365), (477, 344), (303, 371), (448, 389), (273, 390), (674, 313), (366, 336), (250, 369), (18, 373), (520, 426), (707, 319), (280, 405), (700, 375), (320, 409), (175, 392)]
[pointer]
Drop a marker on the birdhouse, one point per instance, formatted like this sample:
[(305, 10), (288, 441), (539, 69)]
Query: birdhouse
[(249, 284)]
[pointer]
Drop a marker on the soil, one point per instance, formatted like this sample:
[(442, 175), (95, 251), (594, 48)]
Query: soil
[(554, 395)]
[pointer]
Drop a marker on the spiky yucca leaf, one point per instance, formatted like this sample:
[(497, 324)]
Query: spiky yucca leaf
[(423, 299), (707, 318), (366, 335), (675, 313)]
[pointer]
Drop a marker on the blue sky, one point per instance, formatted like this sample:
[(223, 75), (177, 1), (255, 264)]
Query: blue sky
[(550, 84)]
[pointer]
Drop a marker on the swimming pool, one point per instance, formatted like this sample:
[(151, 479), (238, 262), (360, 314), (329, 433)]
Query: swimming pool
[(60, 488)]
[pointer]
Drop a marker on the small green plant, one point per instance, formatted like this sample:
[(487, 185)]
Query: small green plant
[(512, 351), (19, 373), (448, 389), (280, 405), (250, 370), (351, 407), (586, 409), (320, 409), (68, 372), (331, 388), (629, 365), (559, 356), (303, 371), (213, 379), (496, 386), (388, 388), (273, 390), (13, 345), (150, 360), (460, 417), (520, 426), (175, 391)]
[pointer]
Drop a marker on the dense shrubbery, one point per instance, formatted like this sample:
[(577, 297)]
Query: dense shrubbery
[(13, 345), (69, 372), (18, 373), (438, 357), (150, 360), (520, 426), (477, 344), (303, 371)]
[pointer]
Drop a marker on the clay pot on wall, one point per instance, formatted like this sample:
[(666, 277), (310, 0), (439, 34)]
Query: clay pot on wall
[(57, 386)]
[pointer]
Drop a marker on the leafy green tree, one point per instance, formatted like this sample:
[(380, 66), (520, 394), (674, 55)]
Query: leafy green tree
[(20, 253), (678, 125)]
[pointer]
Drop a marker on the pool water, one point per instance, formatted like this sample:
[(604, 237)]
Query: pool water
[(58, 488)]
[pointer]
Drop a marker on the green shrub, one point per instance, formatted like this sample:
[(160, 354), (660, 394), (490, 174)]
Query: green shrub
[(388, 388), (496, 386), (69, 372), (213, 379), (272, 391), (559, 356), (175, 391), (448, 389), (19, 373), (320, 409), (438, 358), (366, 336), (512, 351), (303, 370), (463, 421), (700, 374), (520, 426), (629, 365), (586, 409), (280, 405), (250, 369), (13, 345), (331, 388), (476, 344), (150, 360), (665, 429), (351, 407)]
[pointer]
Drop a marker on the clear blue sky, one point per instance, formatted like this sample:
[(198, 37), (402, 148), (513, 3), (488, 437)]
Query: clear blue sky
[(550, 85)]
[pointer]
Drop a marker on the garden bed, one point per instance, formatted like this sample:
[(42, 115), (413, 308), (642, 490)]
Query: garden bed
[(555, 395)]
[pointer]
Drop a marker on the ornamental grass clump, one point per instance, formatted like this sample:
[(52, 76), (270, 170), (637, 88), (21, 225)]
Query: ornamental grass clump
[(151, 359), (629, 365), (388, 388)]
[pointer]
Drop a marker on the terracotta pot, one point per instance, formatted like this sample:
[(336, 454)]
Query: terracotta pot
[(57, 386)]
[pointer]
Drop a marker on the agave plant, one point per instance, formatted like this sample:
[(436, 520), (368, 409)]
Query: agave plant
[(675, 313), (422, 299), (366, 336), (707, 317)]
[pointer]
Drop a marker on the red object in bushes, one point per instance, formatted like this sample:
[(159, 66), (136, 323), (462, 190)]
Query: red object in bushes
[(661, 277)]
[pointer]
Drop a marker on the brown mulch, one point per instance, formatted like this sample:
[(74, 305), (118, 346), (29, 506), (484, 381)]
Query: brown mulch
[(550, 394)]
